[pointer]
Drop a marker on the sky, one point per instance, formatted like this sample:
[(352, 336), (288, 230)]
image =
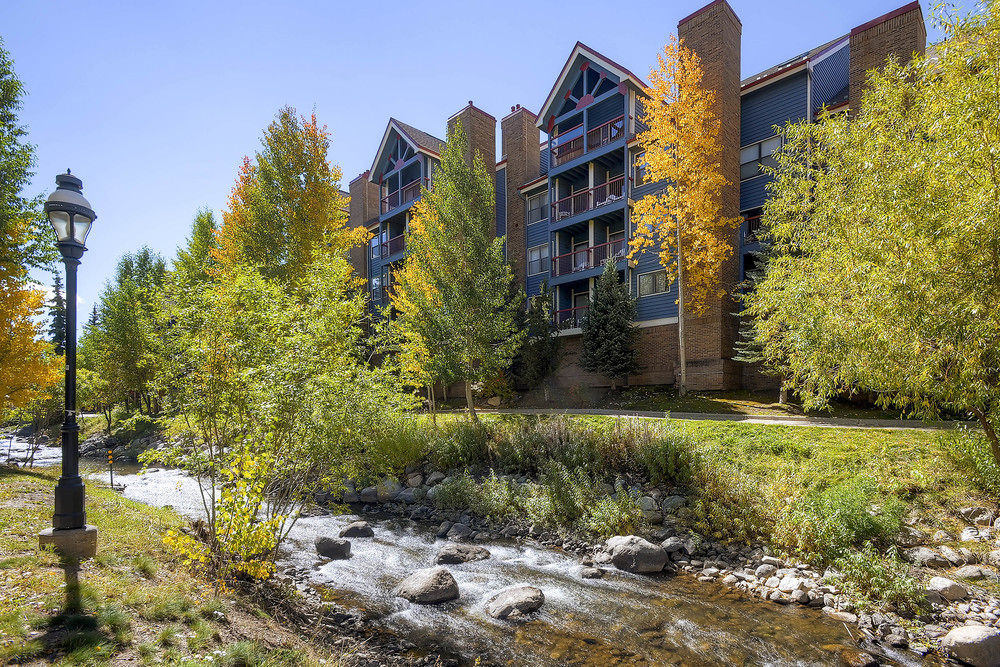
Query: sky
[(154, 105)]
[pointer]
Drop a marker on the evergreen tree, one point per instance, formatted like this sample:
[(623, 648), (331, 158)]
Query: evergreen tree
[(539, 355), (57, 313), (608, 330)]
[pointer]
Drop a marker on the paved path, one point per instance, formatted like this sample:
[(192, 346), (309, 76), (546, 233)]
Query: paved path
[(785, 420)]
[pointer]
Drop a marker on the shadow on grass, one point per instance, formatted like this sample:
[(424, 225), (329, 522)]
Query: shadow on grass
[(36, 473)]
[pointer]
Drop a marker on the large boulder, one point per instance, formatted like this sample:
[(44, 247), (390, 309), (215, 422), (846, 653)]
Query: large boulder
[(331, 547), (925, 557), (431, 585), (975, 645), (634, 554), (515, 602), (454, 553), (946, 589), (357, 529), (387, 489)]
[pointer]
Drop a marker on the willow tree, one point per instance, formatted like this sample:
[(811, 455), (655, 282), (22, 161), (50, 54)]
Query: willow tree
[(683, 221), (453, 293), (884, 272)]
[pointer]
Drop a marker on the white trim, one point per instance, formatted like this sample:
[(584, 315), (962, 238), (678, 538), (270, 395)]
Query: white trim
[(638, 277), (645, 324), (407, 138), (830, 50), (528, 258), (762, 83)]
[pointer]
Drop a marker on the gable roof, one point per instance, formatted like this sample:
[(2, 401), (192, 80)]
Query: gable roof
[(582, 52), (420, 140)]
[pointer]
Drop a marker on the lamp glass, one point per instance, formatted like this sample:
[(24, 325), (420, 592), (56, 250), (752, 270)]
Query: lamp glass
[(60, 222), (81, 227)]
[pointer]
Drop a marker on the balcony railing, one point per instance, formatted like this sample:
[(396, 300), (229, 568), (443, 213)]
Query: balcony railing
[(751, 229), (394, 245), (567, 145), (584, 200), (403, 196), (570, 318), (588, 258), (604, 134)]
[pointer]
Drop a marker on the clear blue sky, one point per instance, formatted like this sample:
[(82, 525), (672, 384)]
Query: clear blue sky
[(154, 105)]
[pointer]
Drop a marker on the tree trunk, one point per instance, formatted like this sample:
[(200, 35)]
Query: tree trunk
[(783, 396), (468, 400), (682, 390), (991, 434), (430, 402)]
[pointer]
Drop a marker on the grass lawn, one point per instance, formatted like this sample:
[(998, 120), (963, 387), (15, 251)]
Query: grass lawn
[(137, 604)]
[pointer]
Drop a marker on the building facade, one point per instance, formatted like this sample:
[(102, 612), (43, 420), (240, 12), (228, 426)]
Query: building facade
[(567, 179)]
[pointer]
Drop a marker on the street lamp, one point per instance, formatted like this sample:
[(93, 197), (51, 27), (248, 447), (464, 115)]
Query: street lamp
[(70, 215)]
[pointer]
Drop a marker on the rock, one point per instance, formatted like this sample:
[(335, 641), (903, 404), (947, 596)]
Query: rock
[(444, 528), (925, 557), (675, 544), (351, 497), (414, 480), (357, 529), (387, 490), (673, 503), (459, 531), (428, 586), (946, 588), (980, 516), (493, 401), (910, 537), (631, 553), (943, 536), (973, 572), (844, 616), (789, 584), (653, 518), (730, 579), (515, 602), (647, 504), (369, 495), (410, 495), (764, 571), (896, 640), (972, 534), (975, 645), (953, 556), (771, 560), (451, 554), (435, 478), (993, 558), (331, 547), (854, 658), (591, 573)]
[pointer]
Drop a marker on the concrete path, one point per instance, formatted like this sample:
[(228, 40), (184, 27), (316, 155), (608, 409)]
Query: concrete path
[(782, 420)]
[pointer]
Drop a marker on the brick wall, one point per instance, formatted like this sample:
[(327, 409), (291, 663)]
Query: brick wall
[(714, 33), (519, 140), (900, 32), (481, 131), (363, 207), (657, 351)]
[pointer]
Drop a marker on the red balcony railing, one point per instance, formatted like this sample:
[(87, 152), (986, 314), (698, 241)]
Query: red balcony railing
[(567, 145), (584, 200), (588, 258), (751, 229), (604, 134), (570, 318), (394, 245), (403, 196)]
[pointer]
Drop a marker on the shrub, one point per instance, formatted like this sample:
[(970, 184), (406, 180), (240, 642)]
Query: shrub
[(460, 444), (880, 579), (971, 452), (669, 456)]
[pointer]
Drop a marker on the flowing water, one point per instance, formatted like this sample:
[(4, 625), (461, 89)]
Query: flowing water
[(621, 619)]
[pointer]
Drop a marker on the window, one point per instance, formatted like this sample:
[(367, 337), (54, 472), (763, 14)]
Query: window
[(755, 156), (376, 289), (374, 246), (538, 259), (538, 207), (639, 169), (654, 282)]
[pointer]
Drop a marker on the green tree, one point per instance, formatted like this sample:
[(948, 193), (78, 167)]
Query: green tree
[(194, 260), (885, 230), (57, 316), (453, 294), (609, 331), (539, 355)]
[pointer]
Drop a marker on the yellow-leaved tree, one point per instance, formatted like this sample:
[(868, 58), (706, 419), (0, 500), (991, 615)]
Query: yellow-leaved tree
[(683, 221)]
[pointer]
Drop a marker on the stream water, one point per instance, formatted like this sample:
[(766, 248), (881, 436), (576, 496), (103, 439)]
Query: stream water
[(621, 619)]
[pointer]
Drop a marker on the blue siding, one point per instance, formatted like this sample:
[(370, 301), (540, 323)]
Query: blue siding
[(501, 202), (830, 78), (753, 192), (538, 233), (655, 306), (602, 112), (534, 286), (771, 105), (543, 160)]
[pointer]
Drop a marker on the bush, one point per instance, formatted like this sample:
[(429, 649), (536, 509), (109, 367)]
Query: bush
[(880, 579), (460, 444), (971, 452), (669, 456)]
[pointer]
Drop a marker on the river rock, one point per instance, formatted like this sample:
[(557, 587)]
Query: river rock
[(980, 516), (452, 554), (331, 547), (369, 495), (946, 588), (414, 480), (910, 537), (764, 571), (975, 645), (674, 545), (634, 554), (673, 503), (973, 572), (431, 585), (973, 534), (351, 496), (591, 573), (789, 583), (387, 490), (411, 495), (647, 504), (771, 560), (459, 531), (953, 556), (435, 478), (515, 602), (357, 529), (925, 557), (854, 658)]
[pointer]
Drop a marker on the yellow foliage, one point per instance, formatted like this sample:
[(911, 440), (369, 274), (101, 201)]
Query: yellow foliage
[(682, 148)]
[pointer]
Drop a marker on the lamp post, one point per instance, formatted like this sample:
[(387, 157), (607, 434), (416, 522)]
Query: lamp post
[(70, 215)]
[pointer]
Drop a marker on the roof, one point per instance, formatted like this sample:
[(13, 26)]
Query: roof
[(792, 63), (581, 50), (421, 140)]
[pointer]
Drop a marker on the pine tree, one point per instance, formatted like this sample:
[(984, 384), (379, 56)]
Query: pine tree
[(57, 313), (608, 330), (539, 355)]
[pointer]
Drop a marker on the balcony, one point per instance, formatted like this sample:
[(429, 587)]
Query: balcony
[(585, 200), (588, 258), (569, 145), (570, 318), (392, 246), (402, 196), (751, 229)]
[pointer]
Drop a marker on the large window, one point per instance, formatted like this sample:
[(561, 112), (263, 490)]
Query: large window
[(374, 247), (538, 259), (538, 207), (755, 156), (654, 282)]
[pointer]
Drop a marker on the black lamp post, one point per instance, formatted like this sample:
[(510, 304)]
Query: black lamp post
[(70, 215)]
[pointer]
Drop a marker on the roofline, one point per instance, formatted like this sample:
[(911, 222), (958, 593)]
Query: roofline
[(363, 174), (792, 68), (518, 109), (531, 184), (899, 11), (706, 8), (473, 106), (385, 136)]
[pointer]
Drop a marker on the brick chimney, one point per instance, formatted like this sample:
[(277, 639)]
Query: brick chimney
[(901, 33), (519, 143), (363, 208), (714, 33), (481, 131)]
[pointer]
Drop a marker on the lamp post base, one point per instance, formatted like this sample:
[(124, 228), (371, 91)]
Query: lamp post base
[(76, 543)]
